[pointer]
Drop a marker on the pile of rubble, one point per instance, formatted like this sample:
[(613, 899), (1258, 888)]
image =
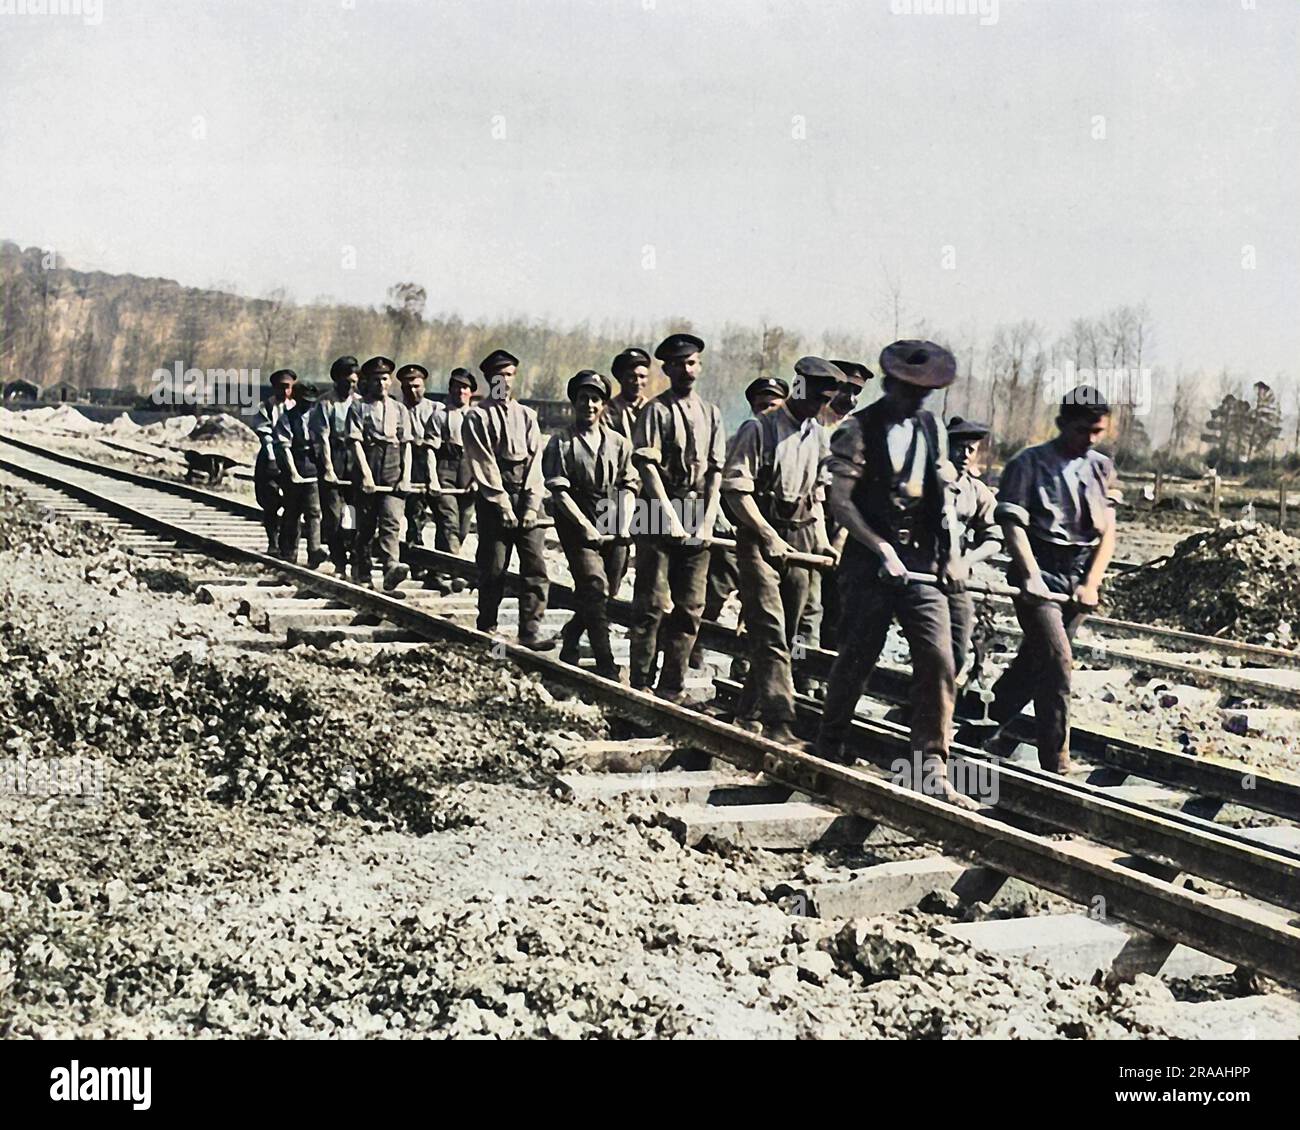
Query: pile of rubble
[(1241, 581), (221, 434)]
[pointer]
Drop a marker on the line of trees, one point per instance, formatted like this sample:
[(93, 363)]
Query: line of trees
[(97, 330)]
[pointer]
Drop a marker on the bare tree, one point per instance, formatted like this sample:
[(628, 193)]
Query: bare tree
[(269, 316)]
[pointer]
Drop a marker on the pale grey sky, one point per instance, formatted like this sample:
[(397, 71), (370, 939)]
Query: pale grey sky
[(253, 142)]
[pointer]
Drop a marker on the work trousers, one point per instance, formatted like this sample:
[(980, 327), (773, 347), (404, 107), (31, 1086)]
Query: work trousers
[(597, 571), (774, 597), (301, 516), (868, 606), (495, 545), (451, 517), (961, 613), (333, 502), (379, 526), (667, 605), (1040, 672), (266, 489)]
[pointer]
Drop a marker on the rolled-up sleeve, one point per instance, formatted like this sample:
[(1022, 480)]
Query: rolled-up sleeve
[(555, 469), (318, 422), (1015, 490), (354, 430), (717, 441), (478, 452), (625, 473), (405, 426), (648, 435), (741, 469), (1110, 483), (985, 522), (848, 454)]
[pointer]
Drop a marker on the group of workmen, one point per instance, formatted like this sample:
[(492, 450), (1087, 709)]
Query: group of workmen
[(885, 500)]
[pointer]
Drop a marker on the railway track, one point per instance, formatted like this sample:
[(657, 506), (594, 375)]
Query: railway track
[(1143, 837)]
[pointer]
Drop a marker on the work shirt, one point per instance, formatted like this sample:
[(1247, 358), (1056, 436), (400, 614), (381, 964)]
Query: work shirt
[(291, 432), (621, 415), (504, 446), (328, 422), (381, 426), (974, 505), (682, 436), (445, 432), (593, 467), (1058, 499), (422, 413), (268, 415), (900, 487), (778, 459)]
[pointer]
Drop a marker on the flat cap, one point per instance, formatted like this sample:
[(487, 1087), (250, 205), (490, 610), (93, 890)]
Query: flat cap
[(462, 377), (343, 366), (497, 359), (818, 367), (854, 372), (959, 428), (920, 363), (589, 378), (767, 384), (629, 359), (282, 373), (377, 365), (412, 370), (676, 347)]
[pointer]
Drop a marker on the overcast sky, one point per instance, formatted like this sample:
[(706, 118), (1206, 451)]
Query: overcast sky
[(718, 159)]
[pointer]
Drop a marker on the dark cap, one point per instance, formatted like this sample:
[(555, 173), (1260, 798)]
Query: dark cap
[(412, 370), (628, 360), (677, 347), (307, 393), (920, 363), (589, 378), (818, 367), (767, 384), (463, 377), (343, 366), (1084, 400), (853, 372), (377, 365), (496, 360), (966, 429), (282, 373)]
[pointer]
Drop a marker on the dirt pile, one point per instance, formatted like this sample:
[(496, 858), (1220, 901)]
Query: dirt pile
[(67, 419), (121, 427), (170, 430), (221, 434), (11, 421), (1241, 581)]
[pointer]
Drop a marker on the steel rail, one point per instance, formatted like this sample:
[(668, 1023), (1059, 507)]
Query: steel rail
[(1218, 780), (1236, 934)]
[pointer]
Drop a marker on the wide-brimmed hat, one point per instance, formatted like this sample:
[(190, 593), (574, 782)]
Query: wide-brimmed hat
[(920, 363)]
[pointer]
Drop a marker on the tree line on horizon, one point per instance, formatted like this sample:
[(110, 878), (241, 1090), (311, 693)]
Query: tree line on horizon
[(95, 330)]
